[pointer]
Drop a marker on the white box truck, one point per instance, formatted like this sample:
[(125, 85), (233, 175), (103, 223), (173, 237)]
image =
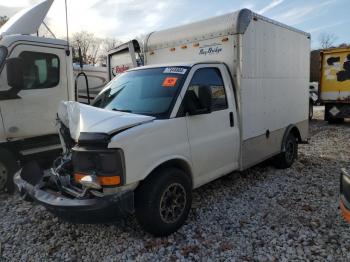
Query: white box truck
[(215, 96), (36, 74)]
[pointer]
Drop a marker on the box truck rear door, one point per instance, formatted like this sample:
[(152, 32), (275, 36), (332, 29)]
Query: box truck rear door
[(124, 57)]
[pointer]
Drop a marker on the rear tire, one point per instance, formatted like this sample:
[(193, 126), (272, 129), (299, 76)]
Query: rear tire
[(311, 110), (163, 201), (286, 159), (8, 167)]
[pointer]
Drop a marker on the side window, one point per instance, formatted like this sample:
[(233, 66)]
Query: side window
[(41, 70), (210, 77)]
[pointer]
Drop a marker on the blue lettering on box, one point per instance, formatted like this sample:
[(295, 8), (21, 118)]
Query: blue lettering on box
[(211, 50)]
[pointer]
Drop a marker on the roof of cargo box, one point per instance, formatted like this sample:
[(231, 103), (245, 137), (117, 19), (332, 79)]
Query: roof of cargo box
[(228, 24)]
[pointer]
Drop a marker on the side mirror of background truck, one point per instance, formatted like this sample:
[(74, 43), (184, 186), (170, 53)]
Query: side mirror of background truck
[(198, 104)]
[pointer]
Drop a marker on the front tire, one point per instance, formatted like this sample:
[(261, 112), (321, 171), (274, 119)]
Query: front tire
[(8, 167), (163, 201), (286, 159)]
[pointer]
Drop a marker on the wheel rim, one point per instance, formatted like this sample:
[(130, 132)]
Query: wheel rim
[(172, 203), (290, 151), (3, 176)]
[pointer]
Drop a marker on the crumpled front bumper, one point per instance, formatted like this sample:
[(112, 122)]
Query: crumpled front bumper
[(345, 194), (96, 210)]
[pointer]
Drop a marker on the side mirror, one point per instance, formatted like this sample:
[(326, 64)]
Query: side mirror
[(198, 104), (15, 73)]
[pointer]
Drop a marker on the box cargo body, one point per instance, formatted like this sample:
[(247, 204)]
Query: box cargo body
[(335, 75), (335, 82), (269, 65)]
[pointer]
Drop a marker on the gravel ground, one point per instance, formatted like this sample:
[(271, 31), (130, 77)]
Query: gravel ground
[(262, 214)]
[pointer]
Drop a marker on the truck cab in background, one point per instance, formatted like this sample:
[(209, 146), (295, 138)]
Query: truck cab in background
[(36, 74)]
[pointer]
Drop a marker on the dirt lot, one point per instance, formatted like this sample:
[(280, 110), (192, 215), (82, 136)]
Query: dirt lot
[(262, 214)]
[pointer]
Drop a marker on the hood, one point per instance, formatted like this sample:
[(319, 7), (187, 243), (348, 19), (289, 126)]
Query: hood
[(27, 21), (84, 118)]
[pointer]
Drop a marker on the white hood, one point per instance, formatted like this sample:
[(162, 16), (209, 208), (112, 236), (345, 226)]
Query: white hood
[(84, 118), (27, 21)]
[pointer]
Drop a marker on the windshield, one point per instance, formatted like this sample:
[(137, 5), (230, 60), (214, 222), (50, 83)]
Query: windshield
[(147, 91), (3, 54)]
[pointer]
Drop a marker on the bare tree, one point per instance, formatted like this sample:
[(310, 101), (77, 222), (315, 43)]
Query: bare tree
[(89, 46), (109, 43), (3, 20), (344, 45), (327, 40)]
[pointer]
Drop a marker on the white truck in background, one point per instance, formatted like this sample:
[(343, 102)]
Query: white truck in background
[(36, 74), (89, 81), (214, 97)]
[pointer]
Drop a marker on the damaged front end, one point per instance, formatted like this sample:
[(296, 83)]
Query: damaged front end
[(85, 184)]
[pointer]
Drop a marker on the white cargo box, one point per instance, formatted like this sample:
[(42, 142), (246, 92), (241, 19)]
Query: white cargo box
[(269, 64)]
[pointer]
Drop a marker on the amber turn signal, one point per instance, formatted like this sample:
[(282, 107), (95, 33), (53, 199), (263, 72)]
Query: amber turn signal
[(103, 180)]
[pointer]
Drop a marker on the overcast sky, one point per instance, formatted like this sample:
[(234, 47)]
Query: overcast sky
[(125, 19)]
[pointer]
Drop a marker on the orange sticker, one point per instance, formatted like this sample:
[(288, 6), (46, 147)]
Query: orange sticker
[(169, 82)]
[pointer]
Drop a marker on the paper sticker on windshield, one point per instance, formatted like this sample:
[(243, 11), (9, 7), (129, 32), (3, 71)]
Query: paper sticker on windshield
[(175, 70), (169, 82)]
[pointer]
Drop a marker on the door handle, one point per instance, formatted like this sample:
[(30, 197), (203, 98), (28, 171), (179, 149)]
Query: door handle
[(232, 122)]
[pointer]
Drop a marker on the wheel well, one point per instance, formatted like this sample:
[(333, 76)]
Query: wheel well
[(291, 129), (9, 150), (177, 163), (295, 131)]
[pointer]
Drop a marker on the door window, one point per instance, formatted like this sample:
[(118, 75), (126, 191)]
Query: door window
[(41, 70), (210, 77)]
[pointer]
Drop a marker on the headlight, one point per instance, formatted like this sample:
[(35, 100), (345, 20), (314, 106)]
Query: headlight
[(106, 164)]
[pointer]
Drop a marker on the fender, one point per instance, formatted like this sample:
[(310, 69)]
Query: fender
[(171, 160)]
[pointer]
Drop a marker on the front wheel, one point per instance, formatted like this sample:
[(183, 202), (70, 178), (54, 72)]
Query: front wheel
[(163, 201), (286, 158)]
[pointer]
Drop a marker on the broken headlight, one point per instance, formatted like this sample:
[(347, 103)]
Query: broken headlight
[(106, 164)]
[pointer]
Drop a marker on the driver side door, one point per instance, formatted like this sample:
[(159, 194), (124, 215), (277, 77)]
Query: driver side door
[(214, 136)]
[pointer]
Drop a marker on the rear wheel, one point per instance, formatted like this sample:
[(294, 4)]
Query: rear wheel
[(163, 201), (286, 159), (8, 167), (311, 110)]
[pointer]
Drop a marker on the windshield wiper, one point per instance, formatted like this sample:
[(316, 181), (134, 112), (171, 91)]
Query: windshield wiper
[(122, 110)]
